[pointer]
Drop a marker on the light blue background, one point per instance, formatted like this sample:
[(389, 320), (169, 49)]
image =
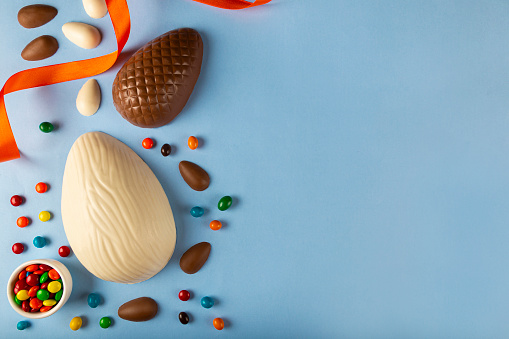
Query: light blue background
[(366, 144)]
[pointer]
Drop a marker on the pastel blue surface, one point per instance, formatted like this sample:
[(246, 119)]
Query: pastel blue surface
[(365, 145)]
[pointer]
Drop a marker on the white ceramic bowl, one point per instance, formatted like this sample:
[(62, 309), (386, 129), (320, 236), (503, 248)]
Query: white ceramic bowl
[(66, 283)]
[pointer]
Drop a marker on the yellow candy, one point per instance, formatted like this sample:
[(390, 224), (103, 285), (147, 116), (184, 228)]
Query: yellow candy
[(75, 323), (22, 295), (44, 216), (54, 287), (49, 302)]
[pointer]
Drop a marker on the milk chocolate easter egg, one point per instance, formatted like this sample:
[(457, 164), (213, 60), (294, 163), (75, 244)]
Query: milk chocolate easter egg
[(32, 16), (195, 176), (153, 86), (195, 257), (140, 309), (116, 215), (40, 48)]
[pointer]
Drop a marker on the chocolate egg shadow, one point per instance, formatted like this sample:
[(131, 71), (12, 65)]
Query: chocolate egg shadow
[(201, 142), (48, 240), (236, 201), (227, 323)]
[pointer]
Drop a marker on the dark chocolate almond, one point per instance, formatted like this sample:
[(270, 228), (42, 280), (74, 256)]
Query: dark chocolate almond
[(40, 48), (153, 86), (36, 15), (195, 257), (140, 309), (195, 176)]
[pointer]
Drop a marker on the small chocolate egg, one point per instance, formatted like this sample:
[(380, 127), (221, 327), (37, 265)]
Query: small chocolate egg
[(40, 48), (33, 16), (140, 309), (195, 176), (195, 257)]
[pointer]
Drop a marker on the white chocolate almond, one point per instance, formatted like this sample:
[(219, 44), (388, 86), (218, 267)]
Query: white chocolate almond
[(83, 35), (89, 98), (95, 8)]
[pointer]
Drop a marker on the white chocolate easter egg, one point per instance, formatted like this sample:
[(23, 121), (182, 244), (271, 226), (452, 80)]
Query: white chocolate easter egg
[(83, 35), (95, 8), (89, 98), (116, 215)]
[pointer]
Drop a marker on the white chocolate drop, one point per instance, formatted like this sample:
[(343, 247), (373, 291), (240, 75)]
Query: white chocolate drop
[(89, 98), (83, 35), (95, 8)]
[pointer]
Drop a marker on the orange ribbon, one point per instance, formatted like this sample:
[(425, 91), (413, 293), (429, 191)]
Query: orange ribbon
[(48, 75)]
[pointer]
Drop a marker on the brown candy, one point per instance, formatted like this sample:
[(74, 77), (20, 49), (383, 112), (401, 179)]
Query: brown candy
[(40, 48), (36, 15), (195, 257), (195, 176), (153, 86), (140, 309)]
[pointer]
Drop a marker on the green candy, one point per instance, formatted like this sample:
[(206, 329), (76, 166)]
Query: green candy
[(42, 295), (44, 277), (58, 296), (46, 127), (17, 301), (105, 322), (224, 203)]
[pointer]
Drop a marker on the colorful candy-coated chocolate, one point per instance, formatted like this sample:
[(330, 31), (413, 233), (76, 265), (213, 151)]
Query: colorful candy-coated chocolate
[(42, 295), (17, 301), (192, 142), (218, 323), (64, 251), (58, 295), (46, 127), (36, 303), (207, 302), (44, 267), (32, 292), (44, 216), (41, 187), (46, 308), (39, 242), (32, 268), (44, 277), (22, 295), (224, 203), (39, 272), (105, 322), (165, 150), (183, 317), (49, 302), (20, 285), (22, 222), (184, 295), (33, 279), (16, 200), (54, 286), (197, 211), (93, 300), (22, 325), (22, 274), (147, 143), (215, 225), (18, 248), (53, 274), (75, 323), (25, 306), (44, 286)]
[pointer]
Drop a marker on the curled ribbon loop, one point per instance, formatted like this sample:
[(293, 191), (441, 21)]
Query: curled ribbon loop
[(48, 75)]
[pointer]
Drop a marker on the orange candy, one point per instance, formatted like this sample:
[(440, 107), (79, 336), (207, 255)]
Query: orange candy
[(53, 274), (45, 308), (218, 324), (32, 292), (32, 268), (22, 275), (147, 143), (215, 225), (41, 187), (192, 142), (22, 222)]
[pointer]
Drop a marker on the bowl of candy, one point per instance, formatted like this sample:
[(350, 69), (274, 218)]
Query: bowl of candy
[(39, 288)]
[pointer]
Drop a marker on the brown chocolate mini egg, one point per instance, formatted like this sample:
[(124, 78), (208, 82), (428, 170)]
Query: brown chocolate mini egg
[(33, 16), (140, 309), (40, 48), (195, 176), (195, 257)]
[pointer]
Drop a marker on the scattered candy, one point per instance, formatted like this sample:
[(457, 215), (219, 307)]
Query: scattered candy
[(53, 274), (197, 211), (22, 325), (147, 143), (54, 286), (166, 150), (18, 248), (192, 142), (41, 295), (224, 203), (93, 300), (64, 251), (184, 295), (22, 222), (215, 225), (75, 323), (105, 322), (39, 242), (207, 302), (41, 187), (218, 323), (183, 317), (16, 200), (44, 216), (46, 127)]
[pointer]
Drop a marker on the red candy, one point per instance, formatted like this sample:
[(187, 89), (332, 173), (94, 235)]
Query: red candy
[(64, 251), (46, 308), (16, 200), (22, 222), (20, 285), (33, 279), (32, 268), (18, 248), (184, 295), (44, 268), (41, 187), (25, 306), (32, 292), (53, 274), (44, 286), (147, 143)]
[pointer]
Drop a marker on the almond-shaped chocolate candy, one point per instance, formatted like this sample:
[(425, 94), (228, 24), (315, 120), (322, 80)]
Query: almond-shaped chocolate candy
[(195, 257), (140, 309), (40, 48), (153, 86), (195, 176), (33, 16)]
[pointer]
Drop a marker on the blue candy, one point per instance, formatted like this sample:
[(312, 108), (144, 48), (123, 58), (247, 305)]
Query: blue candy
[(93, 300), (197, 211), (22, 325), (39, 242), (207, 302)]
